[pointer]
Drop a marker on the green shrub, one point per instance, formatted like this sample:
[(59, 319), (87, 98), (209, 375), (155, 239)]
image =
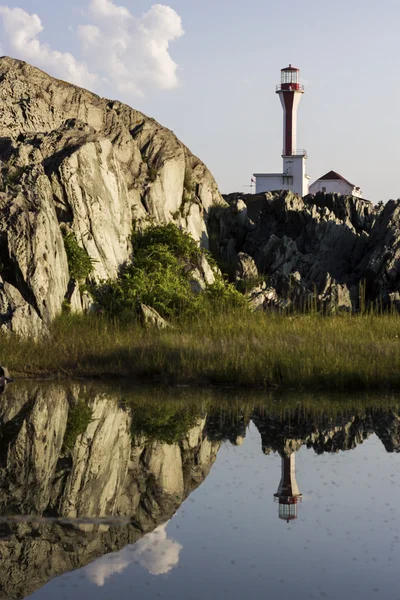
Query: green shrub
[(222, 294), (80, 265), (163, 257), (180, 243)]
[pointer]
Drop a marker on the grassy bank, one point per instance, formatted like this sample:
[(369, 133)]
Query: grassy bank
[(239, 348)]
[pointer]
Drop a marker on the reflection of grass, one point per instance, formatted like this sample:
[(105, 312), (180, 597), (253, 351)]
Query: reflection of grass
[(227, 405), (237, 347)]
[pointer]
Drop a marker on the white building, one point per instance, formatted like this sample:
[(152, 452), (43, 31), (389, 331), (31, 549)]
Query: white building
[(293, 176), (333, 183)]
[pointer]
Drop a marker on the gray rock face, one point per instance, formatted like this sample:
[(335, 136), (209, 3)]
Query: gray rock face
[(381, 266), (315, 251), (68, 156)]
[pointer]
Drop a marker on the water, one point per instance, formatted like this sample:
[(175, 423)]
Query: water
[(170, 494)]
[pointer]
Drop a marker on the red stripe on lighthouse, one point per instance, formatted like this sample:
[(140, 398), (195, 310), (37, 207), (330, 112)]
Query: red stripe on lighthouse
[(289, 100)]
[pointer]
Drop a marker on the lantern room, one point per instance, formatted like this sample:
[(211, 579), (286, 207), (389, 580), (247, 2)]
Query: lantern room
[(288, 508), (290, 79)]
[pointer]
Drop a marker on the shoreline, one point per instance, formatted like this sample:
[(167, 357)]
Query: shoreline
[(135, 381)]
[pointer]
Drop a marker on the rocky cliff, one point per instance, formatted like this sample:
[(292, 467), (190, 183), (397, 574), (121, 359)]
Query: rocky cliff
[(329, 251), (95, 166)]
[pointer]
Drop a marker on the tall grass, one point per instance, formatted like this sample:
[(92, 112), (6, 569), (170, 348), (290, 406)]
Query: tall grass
[(235, 348)]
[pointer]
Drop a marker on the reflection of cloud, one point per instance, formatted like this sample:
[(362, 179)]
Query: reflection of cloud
[(155, 552), (99, 571)]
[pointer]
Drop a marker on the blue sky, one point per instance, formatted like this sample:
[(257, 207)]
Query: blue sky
[(214, 84)]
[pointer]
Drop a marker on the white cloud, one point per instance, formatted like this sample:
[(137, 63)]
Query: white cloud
[(129, 54), (132, 53), (21, 31), (154, 552)]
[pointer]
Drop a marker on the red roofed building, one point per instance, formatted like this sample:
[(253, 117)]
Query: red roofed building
[(333, 183)]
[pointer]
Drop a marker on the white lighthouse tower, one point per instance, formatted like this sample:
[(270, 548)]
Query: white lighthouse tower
[(288, 494), (294, 175)]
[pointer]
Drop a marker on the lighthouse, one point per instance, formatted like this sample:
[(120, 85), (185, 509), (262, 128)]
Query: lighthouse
[(293, 176), (290, 92), (288, 494)]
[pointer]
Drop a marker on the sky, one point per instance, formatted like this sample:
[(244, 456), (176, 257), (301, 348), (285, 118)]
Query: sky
[(208, 70)]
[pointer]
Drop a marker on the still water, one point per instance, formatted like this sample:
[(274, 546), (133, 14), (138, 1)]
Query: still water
[(193, 495)]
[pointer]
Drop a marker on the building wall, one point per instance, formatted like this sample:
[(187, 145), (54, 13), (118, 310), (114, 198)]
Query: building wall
[(296, 166), (271, 182), (334, 186), (293, 178)]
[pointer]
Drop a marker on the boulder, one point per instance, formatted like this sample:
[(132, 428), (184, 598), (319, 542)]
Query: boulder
[(17, 315), (246, 268), (152, 318)]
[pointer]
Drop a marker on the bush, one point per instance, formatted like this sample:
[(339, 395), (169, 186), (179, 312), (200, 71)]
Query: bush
[(222, 294), (180, 243), (159, 276), (80, 265)]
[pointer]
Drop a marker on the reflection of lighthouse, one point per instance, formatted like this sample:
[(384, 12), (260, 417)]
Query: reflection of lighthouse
[(288, 494)]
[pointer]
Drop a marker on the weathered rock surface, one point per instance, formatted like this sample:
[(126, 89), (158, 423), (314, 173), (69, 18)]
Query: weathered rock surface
[(315, 251), (68, 156)]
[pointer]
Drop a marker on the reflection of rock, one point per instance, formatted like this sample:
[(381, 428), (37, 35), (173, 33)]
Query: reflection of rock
[(5, 379), (34, 429), (102, 475), (288, 435), (387, 427), (100, 462)]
